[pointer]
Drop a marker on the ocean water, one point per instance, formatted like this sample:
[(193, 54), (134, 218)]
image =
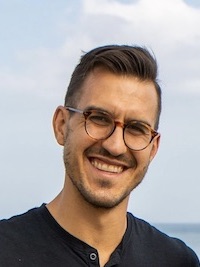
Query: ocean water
[(188, 233)]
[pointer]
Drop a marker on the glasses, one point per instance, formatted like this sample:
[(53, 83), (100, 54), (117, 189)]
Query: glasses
[(99, 125)]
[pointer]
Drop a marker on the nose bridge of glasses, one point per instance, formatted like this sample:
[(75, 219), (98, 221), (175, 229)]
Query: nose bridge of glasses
[(116, 124), (117, 141), (120, 124)]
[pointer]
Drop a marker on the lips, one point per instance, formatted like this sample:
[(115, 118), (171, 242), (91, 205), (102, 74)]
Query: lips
[(106, 167)]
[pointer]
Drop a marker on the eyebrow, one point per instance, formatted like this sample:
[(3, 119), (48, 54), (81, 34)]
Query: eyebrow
[(106, 111), (97, 108)]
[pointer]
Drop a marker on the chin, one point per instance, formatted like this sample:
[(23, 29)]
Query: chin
[(103, 202)]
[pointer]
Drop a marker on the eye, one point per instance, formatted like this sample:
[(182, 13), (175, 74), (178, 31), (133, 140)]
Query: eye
[(100, 119), (136, 128)]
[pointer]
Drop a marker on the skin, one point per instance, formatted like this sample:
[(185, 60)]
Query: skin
[(100, 175)]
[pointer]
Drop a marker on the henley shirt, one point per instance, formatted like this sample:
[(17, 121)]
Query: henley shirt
[(35, 239)]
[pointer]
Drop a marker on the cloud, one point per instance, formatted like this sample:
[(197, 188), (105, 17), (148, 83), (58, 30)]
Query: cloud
[(168, 27), (154, 16)]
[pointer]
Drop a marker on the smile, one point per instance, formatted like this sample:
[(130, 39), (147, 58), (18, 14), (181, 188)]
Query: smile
[(106, 167)]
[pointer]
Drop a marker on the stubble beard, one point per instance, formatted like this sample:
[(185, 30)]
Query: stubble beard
[(103, 202), (88, 195)]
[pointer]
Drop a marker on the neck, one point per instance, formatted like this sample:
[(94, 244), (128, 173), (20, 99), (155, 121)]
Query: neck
[(100, 228)]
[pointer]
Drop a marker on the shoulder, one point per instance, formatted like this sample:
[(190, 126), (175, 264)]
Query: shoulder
[(150, 233), (18, 218), (149, 238), (24, 239), (17, 225)]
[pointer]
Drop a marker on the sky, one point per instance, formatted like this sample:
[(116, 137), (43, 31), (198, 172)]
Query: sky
[(40, 44)]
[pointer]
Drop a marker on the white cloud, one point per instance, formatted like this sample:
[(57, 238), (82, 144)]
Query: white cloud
[(161, 21), (175, 16), (168, 27)]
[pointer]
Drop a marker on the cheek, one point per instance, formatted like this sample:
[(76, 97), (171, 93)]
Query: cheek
[(143, 157), (77, 141)]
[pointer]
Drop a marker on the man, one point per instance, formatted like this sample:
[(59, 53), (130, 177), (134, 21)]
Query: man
[(108, 128)]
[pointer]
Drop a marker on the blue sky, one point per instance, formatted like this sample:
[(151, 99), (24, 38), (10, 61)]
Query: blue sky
[(41, 41)]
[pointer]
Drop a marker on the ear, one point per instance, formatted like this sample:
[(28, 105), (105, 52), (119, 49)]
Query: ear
[(60, 119), (155, 146)]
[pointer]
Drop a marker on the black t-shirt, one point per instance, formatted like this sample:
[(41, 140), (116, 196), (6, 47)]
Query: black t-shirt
[(36, 239)]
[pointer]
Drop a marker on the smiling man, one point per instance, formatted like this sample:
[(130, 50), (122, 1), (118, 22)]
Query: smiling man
[(108, 129)]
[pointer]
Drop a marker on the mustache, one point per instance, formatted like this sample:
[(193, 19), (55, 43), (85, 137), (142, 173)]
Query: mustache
[(128, 160)]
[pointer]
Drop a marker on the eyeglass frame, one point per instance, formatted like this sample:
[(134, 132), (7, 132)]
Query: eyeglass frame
[(86, 113)]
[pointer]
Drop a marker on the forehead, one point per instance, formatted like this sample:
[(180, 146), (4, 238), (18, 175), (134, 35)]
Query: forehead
[(119, 94)]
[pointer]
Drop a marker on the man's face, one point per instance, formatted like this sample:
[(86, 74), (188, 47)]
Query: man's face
[(105, 172)]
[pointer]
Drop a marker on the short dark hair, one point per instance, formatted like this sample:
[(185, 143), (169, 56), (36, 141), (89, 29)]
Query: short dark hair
[(119, 59)]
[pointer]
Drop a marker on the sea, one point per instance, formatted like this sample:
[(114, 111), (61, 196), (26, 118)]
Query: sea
[(188, 233)]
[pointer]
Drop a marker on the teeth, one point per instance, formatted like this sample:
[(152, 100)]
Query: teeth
[(107, 167)]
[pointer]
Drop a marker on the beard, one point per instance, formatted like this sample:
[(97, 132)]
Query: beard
[(103, 200)]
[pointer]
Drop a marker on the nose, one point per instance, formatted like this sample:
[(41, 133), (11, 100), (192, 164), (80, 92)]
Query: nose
[(115, 144)]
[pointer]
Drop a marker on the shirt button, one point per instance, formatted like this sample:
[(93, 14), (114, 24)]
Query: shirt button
[(93, 256)]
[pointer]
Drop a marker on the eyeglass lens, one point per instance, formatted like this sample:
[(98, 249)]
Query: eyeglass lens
[(100, 125)]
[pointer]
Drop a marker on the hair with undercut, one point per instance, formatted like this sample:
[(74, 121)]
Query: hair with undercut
[(118, 59)]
